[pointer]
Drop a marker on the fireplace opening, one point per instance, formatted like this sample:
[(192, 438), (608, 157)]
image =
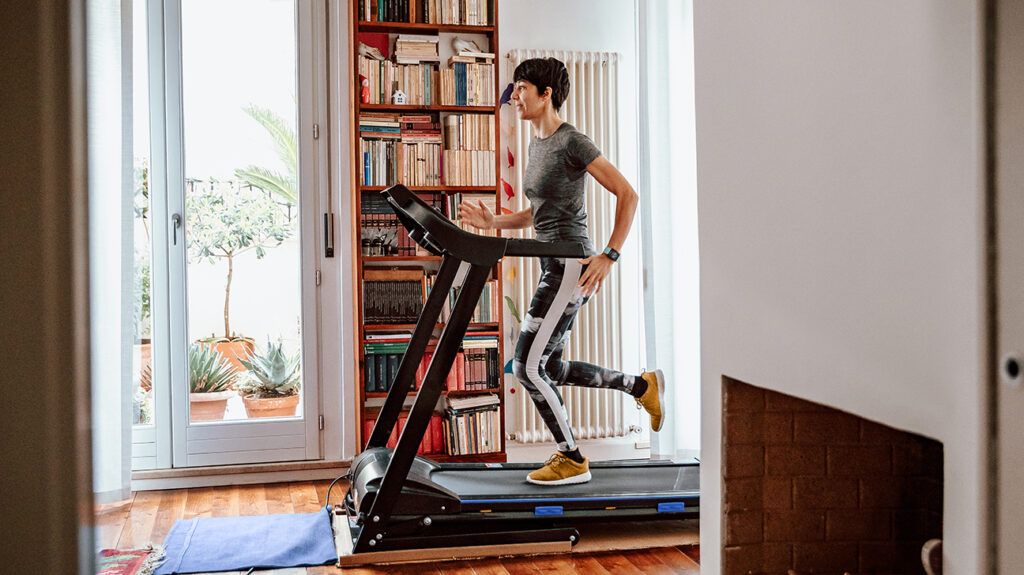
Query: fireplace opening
[(812, 489)]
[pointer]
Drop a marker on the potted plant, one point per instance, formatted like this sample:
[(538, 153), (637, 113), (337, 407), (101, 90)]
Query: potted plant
[(142, 307), (223, 224), (210, 377), (271, 387)]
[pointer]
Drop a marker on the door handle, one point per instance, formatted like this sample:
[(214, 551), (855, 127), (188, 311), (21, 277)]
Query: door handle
[(175, 224)]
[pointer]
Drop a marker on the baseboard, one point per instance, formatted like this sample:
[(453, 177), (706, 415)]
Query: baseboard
[(237, 475)]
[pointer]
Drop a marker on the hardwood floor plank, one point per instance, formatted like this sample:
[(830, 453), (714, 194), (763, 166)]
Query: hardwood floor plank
[(519, 565), (252, 500), (172, 507), (555, 564), (198, 503), (225, 501), (691, 551), (589, 564), (617, 563), (647, 562), (455, 568), (304, 497), (141, 517), (677, 560), (489, 567), (110, 521), (279, 498)]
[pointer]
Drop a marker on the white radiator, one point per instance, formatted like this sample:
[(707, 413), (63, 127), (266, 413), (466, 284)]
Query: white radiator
[(592, 107)]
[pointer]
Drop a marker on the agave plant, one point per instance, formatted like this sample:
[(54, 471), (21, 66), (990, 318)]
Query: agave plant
[(208, 370), (272, 373)]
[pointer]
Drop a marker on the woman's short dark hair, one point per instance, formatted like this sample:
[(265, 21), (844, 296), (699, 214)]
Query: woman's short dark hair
[(545, 73)]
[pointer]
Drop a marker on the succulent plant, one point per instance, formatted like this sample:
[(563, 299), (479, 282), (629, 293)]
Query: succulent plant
[(208, 370), (272, 373)]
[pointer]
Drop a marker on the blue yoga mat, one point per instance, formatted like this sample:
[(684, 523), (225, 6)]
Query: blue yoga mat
[(238, 543)]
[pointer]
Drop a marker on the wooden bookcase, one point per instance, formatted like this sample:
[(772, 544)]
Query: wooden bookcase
[(368, 402)]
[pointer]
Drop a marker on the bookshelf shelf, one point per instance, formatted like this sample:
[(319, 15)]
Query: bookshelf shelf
[(406, 108), (452, 393), (364, 266), (412, 326), (437, 189), (399, 259), (420, 28)]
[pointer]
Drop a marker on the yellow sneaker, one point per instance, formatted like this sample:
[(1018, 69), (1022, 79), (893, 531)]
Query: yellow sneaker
[(654, 397), (560, 470)]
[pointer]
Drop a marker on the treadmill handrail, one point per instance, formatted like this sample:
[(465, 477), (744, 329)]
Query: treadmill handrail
[(539, 249), (438, 234)]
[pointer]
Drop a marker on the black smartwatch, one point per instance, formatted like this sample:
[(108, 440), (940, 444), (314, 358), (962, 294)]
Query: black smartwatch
[(611, 253)]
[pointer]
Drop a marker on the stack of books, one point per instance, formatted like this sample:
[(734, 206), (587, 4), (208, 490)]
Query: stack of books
[(392, 296), (472, 424), (416, 48), (473, 198), (468, 80), (433, 440), (463, 12), (419, 155), (469, 150)]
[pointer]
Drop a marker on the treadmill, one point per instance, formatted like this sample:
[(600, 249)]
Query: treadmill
[(400, 502)]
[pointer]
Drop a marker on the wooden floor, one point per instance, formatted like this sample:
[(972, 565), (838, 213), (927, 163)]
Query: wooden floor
[(149, 515)]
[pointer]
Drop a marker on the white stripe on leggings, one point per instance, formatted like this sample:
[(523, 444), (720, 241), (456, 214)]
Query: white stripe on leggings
[(570, 282)]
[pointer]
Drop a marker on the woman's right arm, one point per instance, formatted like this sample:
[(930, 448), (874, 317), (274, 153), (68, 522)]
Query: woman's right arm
[(479, 216)]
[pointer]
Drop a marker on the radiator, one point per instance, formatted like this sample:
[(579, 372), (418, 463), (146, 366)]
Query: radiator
[(592, 107)]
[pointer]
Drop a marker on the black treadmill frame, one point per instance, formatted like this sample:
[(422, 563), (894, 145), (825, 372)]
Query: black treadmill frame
[(456, 246)]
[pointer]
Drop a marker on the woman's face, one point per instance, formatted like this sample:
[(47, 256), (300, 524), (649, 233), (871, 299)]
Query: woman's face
[(528, 102)]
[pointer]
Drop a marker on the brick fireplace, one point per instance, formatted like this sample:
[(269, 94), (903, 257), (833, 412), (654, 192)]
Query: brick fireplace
[(811, 489)]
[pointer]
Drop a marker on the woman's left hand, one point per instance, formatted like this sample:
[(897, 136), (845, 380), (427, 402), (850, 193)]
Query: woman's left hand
[(597, 270)]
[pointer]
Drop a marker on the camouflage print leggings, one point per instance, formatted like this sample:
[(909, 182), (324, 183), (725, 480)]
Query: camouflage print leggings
[(538, 362)]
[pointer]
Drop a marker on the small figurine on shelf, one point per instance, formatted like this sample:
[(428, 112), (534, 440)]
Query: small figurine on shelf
[(464, 45), (364, 89), (398, 97)]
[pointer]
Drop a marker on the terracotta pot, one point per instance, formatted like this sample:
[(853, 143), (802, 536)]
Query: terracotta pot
[(145, 357), (208, 406), (234, 351), (270, 406)]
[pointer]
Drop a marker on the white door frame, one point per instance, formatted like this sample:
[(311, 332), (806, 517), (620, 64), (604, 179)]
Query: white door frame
[(179, 444)]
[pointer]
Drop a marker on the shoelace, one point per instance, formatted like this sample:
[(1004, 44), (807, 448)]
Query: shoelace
[(555, 459)]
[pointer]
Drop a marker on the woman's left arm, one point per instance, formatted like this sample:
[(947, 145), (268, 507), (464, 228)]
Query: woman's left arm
[(625, 207)]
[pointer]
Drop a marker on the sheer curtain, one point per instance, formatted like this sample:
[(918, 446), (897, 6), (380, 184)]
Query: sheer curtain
[(108, 113), (668, 206)]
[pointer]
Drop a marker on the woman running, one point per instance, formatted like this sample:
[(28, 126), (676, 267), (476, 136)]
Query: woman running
[(560, 158)]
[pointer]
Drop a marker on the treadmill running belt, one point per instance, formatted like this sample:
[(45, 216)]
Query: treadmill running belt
[(473, 484)]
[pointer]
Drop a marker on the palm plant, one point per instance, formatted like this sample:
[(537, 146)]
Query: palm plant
[(272, 372), (284, 186), (208, 370)]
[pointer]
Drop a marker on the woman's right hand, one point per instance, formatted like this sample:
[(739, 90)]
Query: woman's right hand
[(478, 216)]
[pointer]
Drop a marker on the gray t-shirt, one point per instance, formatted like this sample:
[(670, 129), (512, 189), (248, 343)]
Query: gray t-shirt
[(554, 185)]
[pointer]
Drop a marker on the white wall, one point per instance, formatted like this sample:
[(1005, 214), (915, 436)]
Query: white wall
[(598, 26), (840, 225)]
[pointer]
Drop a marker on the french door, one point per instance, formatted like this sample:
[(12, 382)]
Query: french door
[(234, 179)]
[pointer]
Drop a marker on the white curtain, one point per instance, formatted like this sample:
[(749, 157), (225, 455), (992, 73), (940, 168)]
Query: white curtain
[(108, 97), (668, 206)]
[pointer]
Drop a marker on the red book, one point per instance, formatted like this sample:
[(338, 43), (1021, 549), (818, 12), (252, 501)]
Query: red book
[(438, 432), (427, 445), (460, 368), (367, 430), (393, 440)]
